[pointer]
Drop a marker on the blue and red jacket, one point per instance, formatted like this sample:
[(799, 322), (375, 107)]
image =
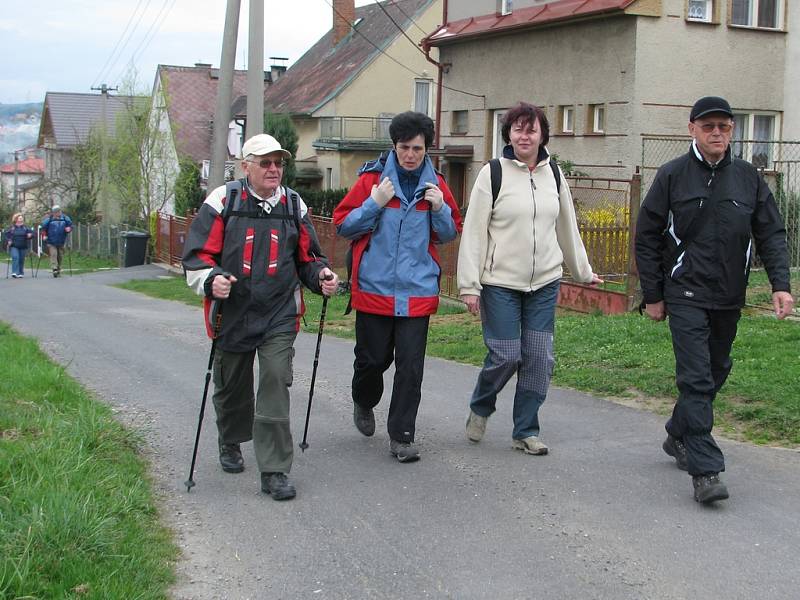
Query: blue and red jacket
[(396, 268)]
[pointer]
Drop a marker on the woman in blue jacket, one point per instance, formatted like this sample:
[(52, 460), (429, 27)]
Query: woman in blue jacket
[(17, 237)]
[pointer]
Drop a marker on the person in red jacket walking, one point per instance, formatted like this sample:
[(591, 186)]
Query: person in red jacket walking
[(395, 214)]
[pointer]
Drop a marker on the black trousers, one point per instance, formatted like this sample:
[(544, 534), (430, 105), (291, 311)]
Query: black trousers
[(702, 340), (379, 341)]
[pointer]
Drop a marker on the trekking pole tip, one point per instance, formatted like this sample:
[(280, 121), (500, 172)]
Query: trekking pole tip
[(189, 485), (303, 446)]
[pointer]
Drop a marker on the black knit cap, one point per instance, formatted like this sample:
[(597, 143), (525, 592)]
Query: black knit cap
[(710, 104)]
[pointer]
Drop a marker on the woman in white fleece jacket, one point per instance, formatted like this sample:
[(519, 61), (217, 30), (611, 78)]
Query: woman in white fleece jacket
[(509, 269)]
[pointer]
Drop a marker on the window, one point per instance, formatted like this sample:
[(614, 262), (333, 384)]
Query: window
[(597, 117), (328, 178), (422, 95), (460, 121), (505, 7), (700, 10), (567, 119), (752, 138), (757, 13), (497, 137)]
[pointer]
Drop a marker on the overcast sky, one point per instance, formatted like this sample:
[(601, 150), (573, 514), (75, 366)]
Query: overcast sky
[(73, 45)]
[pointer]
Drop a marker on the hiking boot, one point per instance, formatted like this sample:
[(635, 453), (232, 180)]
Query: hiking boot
[(403, 451), (708, 488), (476, 427), (364, 419), (230, 457), (530, 445), (675, 448), (277, 485)]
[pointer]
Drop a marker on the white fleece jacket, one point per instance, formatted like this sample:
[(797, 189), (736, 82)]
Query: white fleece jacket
[(522, 242)]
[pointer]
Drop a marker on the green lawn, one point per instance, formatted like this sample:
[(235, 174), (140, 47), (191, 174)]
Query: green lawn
[(72, 263), (624, 357), (77, 513)]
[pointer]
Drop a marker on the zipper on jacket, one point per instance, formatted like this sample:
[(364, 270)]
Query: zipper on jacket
[(533, 226)]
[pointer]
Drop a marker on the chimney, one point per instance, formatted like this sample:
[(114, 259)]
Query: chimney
[(344, 13), (275, 68)]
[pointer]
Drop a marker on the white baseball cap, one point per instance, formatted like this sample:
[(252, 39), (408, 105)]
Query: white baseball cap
[(262, 144)]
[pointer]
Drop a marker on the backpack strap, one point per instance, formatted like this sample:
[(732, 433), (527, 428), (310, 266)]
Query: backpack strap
[(232, 191), (496, 173), (556, 174)]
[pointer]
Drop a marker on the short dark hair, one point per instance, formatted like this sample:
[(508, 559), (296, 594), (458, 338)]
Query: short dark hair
[(527, 113), (410, 124)]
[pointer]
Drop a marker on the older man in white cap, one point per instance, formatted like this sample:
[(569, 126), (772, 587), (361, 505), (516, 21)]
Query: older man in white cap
[(251, 248)]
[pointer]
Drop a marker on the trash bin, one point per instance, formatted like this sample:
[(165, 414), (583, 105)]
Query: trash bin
[(135, 248)]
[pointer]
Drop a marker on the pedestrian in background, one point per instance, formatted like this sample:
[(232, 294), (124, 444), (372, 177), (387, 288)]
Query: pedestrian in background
[(394, 215), (694, 249), (55, 229), (18, 237), (509, 272)]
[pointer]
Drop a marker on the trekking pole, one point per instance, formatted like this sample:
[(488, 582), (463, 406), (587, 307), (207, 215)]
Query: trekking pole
[(304, 444), (217, 320), (8, 264), (38, 262), (69, 260)]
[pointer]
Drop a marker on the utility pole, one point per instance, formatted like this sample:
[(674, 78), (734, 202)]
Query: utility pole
[(255, 70), (16, 180), (104, 177), (222, 112)]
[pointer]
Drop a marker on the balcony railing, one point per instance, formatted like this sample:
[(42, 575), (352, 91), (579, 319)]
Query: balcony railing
[(357, 129)]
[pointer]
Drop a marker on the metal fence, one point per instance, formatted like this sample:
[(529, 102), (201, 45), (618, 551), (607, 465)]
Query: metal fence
[(779, 163)]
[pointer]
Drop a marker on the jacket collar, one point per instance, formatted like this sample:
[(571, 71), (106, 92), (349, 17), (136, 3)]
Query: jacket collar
[(723, 162), (543, 156)]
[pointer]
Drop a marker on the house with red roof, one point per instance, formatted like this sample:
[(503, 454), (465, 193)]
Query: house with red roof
[(21, 180), (343, 92), (609, 72)]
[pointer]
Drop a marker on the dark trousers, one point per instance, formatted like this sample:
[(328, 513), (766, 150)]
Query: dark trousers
[(379, 341), (701, 340)]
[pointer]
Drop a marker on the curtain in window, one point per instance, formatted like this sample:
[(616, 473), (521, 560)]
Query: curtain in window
[(421, 95), (768, 13), (762, 132), (698, 9), (741, 12), (739, 134)]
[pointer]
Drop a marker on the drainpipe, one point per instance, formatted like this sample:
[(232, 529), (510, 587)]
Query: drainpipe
[(440, 71)]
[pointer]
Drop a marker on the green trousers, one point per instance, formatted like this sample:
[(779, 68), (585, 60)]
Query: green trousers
[(243, 415)]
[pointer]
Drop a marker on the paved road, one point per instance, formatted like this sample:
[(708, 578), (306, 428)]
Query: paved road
[(605, 516)]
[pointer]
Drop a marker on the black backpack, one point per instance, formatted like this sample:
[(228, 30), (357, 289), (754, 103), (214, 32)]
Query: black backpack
[(496, 172)]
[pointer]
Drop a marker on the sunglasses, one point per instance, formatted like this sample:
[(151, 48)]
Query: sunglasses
[(709, 127), (266, 163)]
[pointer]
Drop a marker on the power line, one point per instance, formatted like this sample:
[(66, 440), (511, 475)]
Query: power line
[(119, 40), (400, 29), (154, 28), (407, 16), (407, 68), (128, 38)]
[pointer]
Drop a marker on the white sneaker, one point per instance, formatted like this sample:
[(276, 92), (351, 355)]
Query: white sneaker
[(476, 427), (530, 445)]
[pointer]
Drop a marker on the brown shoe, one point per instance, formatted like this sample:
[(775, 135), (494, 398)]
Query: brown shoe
[(530, 445)]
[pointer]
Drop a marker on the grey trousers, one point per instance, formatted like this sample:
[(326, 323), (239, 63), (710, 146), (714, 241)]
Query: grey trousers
[(243, 415)]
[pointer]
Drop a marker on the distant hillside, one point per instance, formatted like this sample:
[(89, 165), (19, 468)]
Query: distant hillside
[(19, 128)]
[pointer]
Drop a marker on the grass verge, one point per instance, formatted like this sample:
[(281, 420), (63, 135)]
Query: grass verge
[(77, 514), (624, 357)]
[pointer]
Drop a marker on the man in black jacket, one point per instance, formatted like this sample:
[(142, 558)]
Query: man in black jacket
[(693, 251)]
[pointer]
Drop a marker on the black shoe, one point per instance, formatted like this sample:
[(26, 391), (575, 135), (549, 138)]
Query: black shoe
[(675, 448), (364, 419), (277, 485), (708, 488), (403, 451), (230, 457)]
